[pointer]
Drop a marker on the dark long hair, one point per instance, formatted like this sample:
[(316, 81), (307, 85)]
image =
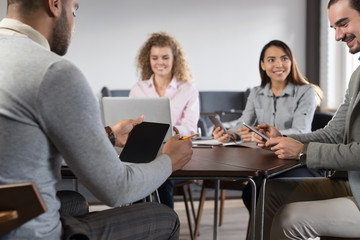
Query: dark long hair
[(294, 76)]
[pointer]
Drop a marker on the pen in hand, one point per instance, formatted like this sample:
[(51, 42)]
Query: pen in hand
[(186, 137)]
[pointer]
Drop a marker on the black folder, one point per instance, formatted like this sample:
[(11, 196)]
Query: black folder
[(144, 142)]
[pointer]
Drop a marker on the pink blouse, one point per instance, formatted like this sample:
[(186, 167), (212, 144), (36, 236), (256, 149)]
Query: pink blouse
[(184, 102)]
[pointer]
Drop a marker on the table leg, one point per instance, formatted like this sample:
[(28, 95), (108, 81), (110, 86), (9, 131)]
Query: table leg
[(216, 200), (251, 233), (262, 204)]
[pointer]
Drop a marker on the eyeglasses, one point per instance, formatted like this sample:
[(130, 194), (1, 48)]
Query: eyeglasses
[(74, 11)]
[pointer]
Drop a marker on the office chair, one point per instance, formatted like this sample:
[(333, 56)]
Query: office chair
[(320, 120), (106, 92), (229, 108), (72, 203)]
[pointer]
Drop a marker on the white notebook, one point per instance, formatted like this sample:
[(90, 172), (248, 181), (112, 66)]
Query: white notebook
[(214, 142)]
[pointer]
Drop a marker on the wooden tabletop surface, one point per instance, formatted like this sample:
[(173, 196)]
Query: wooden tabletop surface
[(226, 162)]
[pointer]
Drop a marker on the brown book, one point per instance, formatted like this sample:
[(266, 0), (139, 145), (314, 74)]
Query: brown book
[(19, 203)]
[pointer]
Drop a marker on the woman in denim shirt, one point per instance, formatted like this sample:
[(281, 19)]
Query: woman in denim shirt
[(285, 99)]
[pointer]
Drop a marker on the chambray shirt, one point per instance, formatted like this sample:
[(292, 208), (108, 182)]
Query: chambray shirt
[(184, 102), (291, 112)]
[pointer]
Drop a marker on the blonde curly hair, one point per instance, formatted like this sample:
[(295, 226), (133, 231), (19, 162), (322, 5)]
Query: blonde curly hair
[(180, 67)]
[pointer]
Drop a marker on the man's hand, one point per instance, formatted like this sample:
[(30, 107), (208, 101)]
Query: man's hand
[(122, 129), (220, 136), (176, 130), (284, 147), (179, 151), (267, 130)]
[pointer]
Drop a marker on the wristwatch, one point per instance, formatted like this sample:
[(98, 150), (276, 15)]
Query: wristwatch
[(302, 158), (302, 155), (110, 134)]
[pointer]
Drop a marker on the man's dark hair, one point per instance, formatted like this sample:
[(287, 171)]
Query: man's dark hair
[(28, 6), (354, 4)]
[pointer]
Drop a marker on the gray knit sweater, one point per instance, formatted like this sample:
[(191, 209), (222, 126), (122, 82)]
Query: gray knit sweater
[(48, 110)]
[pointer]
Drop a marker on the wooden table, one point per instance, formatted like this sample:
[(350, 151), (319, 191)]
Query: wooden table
[(237, 163), (230, 163), (225, 162)]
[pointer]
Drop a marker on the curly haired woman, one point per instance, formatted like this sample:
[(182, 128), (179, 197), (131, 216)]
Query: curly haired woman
[(164, 72)]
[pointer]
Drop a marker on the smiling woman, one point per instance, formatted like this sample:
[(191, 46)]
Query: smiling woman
[(164, 72), (284, 99)]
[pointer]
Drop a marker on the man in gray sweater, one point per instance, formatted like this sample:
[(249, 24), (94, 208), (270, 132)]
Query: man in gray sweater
[(310, 208), (48, 111)]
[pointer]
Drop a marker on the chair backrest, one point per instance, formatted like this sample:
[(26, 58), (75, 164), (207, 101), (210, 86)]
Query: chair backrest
[(228, 104), (320, 120), (18, 204), (105, 92), (223, 101)]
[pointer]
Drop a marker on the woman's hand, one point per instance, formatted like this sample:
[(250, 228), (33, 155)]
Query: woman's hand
[(220, 136), (246, 134)]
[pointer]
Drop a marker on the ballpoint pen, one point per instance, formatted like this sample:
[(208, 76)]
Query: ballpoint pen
[(186, 137)]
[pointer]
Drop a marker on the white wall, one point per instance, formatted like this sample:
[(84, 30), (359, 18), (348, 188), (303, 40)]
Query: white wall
[(222, 39)]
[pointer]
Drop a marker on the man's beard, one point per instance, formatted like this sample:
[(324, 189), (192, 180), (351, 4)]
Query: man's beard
[(61, 35)]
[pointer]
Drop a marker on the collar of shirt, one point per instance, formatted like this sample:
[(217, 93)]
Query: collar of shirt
[(14, 27), (173, 84), (289, 89)]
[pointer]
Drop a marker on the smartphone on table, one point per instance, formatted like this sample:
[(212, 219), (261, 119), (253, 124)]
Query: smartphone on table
[(256, 131)]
